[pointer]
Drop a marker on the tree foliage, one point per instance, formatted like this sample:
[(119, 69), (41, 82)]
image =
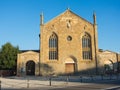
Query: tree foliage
[(8, 56)]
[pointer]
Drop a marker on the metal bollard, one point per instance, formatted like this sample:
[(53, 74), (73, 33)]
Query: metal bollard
[(102, 76), (80, 78), (67, 79), (117, 76), (91, 77), (50, 79), (110, 77), (0, 85), (28, 83)]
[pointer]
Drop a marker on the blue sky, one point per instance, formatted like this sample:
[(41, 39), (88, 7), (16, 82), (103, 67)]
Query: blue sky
[(20, 20)]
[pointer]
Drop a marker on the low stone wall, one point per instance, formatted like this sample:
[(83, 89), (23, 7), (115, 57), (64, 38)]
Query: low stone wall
[(7, 72)]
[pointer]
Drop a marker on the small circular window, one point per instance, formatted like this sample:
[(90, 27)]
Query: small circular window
[(69, 38)]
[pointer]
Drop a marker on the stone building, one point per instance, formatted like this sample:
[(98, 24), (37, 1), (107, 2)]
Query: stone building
[(68, 45), (28, 63), (108, 61)]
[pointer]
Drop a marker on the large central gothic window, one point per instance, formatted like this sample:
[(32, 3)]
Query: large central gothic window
[(86, 47), (53, 47)]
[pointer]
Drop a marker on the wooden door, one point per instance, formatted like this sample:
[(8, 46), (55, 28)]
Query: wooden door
[(69, 67)]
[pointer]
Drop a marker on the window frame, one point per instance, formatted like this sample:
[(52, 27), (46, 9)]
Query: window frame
[(53, 47), (86, 47)]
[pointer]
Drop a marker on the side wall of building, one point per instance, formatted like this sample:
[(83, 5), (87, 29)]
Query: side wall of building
[(25, 57), (108, 61)]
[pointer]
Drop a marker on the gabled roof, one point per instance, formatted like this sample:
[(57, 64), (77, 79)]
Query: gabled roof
[(29, 52), (68, 11), (106, 51), (109, 51), (22, 51)]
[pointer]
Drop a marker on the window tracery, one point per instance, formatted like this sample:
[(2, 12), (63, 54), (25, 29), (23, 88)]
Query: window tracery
[(53, 47)]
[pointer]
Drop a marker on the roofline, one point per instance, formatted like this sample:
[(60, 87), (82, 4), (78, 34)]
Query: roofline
[(82, 18), (108, 51), (22, 51), (63, 13), (111, 51), (55, 17)]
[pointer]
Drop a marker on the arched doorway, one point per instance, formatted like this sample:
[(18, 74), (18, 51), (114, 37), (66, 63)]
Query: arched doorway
[(108, 66), (30, 68), (69, 65)]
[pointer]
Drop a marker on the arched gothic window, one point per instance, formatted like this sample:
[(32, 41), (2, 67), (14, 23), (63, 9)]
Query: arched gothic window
[(53, 47), (86, 47)]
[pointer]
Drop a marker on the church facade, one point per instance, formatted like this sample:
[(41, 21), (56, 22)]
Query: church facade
[(68, 45)]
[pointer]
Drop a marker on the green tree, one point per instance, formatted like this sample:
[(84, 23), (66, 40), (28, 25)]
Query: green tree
[(8, 56)]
